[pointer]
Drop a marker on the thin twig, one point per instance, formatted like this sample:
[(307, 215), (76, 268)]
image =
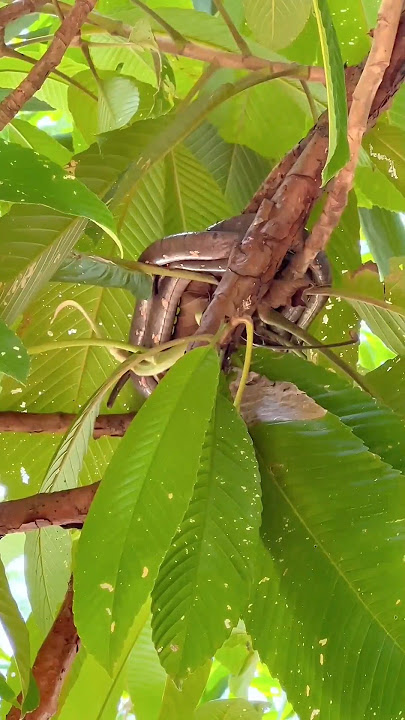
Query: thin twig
[(58, 10), (8, 51), (177, 37), (239, 39), (202, 80), (68, 29), (310, 99), (376, 64)]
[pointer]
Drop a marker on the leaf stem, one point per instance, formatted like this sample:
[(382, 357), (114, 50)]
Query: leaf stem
[(177, 37), (247, 322), (239, 39), (271, 317)]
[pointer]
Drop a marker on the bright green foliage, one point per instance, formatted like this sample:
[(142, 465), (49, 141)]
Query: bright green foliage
[(192, 601), (142, 498)]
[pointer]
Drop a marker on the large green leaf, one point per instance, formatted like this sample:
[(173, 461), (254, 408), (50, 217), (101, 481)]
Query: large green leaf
[(276, 24), (118, 103), (37, 264), (230, 710), (385, 235), (338, 150), (237, 170), (53, 187), (193, 199), (25, 134), (179, 703), (385, 145), (91, 692), (47, 572), (146, 677), (380, 305), (204, 581), (245, 119), (387, 381), (14, 360), (329, 580), (141, 500), (93, 270), (16, 631), (384, 436), (374, 187)]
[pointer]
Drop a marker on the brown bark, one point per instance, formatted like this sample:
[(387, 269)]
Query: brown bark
[(17, 9), (37, 423), (68, 29), (363, 96), (54, 660), (66, 508), (285, 210)]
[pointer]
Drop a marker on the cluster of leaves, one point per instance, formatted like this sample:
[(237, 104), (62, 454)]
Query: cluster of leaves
[(107, 158)]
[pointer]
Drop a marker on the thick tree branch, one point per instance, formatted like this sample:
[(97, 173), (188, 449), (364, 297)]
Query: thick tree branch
[(68, 29), (36, 423), (53, 662), (205, 53), (363, 96), (283, 212), (18, 9), (66, 508)]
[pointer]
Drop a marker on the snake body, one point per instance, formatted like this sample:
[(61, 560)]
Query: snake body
[(154, 320)]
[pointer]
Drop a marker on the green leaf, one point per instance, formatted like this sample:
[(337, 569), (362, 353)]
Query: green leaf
[(237, 170), (204, 581), (338, 152), (139, 505), (23, 133), (146, 677), (385, 145), (374, 187), (14, 359), (332, 517), (372, 351), (276, 24), (385, 235), (91, 270), (53, 187), (179, 703), (47, 572), (91, 692), (381, 306), (230, 710), (118, 102), (6, 693), (37, 263), (16, 631), (244, 119), (388, 382), (384, 436), (193, 198)]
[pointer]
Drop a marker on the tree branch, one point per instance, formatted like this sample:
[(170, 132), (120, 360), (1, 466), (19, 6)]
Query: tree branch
[(18, 9), (66, 508), (294, 186), (68, 29), (205, 53), (363, 96), (58, 423), (53, 662)]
